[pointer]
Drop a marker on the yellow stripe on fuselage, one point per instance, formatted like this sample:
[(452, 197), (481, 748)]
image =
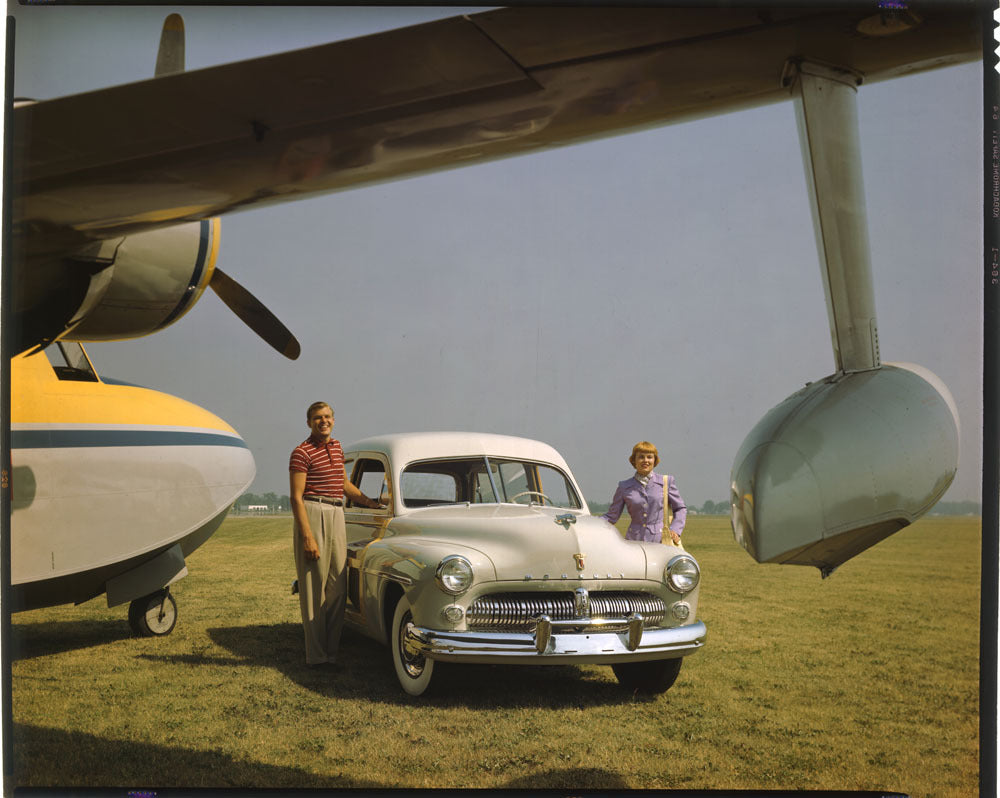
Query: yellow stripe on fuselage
[(38, 396)]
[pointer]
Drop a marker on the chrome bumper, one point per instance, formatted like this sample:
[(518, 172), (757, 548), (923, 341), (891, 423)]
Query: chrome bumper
[(583, 641)]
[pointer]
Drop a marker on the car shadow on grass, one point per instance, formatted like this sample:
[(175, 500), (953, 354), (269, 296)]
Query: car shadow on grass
[(365, 670), (54, 758), (30, 640)]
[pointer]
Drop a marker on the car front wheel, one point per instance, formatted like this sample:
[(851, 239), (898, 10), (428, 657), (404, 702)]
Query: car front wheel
[(414, 671), (656, 676)]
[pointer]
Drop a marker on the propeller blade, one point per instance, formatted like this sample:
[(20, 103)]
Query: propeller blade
[(170, 58), (254, 314)]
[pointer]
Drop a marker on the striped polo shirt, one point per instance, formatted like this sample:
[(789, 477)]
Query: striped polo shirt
[(323, 466)]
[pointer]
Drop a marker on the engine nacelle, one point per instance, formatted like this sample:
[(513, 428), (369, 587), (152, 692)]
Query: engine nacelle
[(155, 278), (843, 464)]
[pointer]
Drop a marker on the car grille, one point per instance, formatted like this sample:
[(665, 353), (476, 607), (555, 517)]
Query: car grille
[(519, 610)]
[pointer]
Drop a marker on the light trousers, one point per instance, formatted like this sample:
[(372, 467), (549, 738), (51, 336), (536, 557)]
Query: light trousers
[(322, 582)]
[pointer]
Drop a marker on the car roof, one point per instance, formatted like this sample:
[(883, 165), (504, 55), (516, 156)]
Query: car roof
[(407, 447)]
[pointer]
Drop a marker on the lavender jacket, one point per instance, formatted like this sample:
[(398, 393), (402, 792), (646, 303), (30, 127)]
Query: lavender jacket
[(645, 507)]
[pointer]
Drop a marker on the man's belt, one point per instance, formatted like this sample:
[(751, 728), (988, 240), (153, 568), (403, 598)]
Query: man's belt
[(325, 500)]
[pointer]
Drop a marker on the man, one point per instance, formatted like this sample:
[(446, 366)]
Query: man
[(318, 486)]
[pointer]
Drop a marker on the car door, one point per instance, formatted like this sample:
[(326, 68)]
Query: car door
[(369, 473)]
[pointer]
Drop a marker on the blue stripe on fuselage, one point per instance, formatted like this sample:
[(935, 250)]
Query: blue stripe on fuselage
[(92, 438)]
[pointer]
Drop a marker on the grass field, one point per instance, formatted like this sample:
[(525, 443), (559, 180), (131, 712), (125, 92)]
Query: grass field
[(867, 680)]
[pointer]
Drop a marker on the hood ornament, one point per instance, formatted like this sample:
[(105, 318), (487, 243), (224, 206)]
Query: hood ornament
[(565, 519)]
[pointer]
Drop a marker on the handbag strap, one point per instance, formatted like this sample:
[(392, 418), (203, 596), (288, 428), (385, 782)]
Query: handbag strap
[(668, 514)]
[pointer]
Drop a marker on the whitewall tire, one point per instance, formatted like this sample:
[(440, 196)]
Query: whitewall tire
[(414, 671)]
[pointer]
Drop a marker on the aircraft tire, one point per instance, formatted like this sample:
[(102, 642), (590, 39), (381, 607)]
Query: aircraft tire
[(656, 676), (154, 615)]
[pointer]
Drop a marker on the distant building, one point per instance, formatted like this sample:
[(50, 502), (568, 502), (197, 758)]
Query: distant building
[(257, 508)]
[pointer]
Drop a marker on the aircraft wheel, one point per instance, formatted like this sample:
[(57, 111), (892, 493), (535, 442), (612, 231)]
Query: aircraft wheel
[(153, 615), (656, 676), (414, 671)]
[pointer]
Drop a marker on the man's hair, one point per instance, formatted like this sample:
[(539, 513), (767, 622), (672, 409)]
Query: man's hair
[(644, 446), (314, 407)]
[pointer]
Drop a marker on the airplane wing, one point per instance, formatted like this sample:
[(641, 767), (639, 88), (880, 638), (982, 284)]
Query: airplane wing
[(195, 145)]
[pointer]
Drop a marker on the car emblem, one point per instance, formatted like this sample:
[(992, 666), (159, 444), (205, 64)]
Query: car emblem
[(579, 561)]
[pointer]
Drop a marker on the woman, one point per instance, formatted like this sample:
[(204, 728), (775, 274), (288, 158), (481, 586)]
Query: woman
[(643, 495)]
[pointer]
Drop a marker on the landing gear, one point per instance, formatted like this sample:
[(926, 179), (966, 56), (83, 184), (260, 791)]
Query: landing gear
[(153, 615)]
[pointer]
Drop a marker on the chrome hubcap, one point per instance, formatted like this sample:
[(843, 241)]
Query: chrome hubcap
[(413, 664)]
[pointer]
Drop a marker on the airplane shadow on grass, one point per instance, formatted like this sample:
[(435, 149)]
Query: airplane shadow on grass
[(45, 757), (30, 640), (366, 672), (54, 758)]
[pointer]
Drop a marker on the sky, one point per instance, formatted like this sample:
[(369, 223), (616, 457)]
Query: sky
[(661, 285)]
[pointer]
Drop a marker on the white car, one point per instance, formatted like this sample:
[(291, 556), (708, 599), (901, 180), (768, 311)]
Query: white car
[(486, 553)]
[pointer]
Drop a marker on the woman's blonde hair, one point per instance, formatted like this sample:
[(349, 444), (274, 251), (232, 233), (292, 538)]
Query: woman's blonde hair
[(644, 446)]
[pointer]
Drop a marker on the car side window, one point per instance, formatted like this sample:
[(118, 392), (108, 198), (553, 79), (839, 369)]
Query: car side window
[(370, 478), (554, 485), (524, 482), (514, 479)]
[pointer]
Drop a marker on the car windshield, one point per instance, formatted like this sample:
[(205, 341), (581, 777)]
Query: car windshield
[(486, 480)]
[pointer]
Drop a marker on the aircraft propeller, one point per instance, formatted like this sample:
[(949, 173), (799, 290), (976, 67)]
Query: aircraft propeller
[(170, 59), (253, 313)]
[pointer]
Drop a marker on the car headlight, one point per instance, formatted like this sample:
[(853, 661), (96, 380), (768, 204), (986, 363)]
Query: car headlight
[(682, 574), (454, 574)]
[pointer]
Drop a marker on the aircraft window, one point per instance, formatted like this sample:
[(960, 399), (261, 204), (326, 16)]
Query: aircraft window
[(70, 362)]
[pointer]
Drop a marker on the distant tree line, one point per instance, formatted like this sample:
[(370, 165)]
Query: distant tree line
[(272, 501), (957, 508)]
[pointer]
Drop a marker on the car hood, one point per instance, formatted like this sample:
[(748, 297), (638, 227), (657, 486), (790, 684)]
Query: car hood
[(529, 541)]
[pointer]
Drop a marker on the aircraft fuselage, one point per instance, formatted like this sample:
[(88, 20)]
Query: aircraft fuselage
[(113, 485)]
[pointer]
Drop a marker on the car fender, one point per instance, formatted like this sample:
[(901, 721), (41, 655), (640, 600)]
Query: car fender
[(399, 566), (658, 556)]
